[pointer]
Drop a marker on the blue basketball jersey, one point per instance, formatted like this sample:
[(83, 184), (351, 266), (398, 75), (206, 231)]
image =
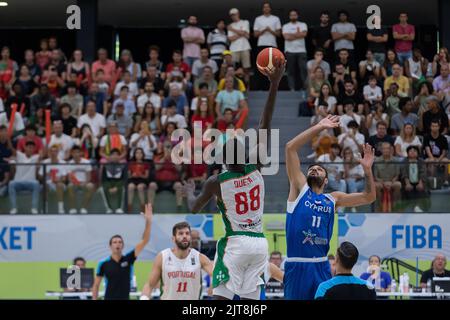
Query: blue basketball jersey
[(309, 224)]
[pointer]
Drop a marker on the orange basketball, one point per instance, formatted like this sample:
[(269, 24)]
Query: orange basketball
[(266, 58)]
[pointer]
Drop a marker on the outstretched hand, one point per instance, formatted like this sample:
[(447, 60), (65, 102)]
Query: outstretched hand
[(148, 214), (329, 122), (188, 187), (277, 72), (369, 157)]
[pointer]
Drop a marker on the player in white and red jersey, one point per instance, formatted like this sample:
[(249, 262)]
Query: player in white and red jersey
[(178, 269)]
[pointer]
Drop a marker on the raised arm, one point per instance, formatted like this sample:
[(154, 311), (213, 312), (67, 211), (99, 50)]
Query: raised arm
[(210, 188), (148, 215), (369, 194), (296, 177), (154, 278)]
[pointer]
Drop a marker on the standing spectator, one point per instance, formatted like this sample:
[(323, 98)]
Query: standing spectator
[(61, 141), (95, 120), (79, 173), (144, 140), (74, 99), (294, 34), (218, 42), (416, 68), (404, 35), (25, 177), (55, 175), (204, 61), (381, 280), (126, 63), (113, 140), (414, 179), (343, 33), (398, 78), (107, 65), (377, 39), (437, 270), (333, 163), (125, 100), (149, 96), (322, 37), (387, 175), (43, 99), (153, 53), (352, 138), (353, 173), (406, 138), (113, 184), (124, 121), (398, 120), (436, 150), (435, 112), (238, 35), (192, 37), (181, 102), (391, 59), (376, 115), (441, 84), (380, 137), (68, 121)]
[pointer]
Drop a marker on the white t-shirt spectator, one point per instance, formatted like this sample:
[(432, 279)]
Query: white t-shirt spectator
[(331, 101), (64, 143), (404, 145), (133, 89), (79, 170), (333, 167), (96, 123), (18, 121), (178, 119), (267, 38), (59, 170), (345, 142), (343, 28), (297, 45), (144, 98), (144, 144), (372, 93), (356, 170), (26, 171), (345, 119), (241, 43), (198, 65)]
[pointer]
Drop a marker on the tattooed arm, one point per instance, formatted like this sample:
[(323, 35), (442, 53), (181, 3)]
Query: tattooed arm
[(369, 194)]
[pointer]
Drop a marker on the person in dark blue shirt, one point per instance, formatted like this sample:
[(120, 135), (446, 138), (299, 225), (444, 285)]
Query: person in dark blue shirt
[(380, 279), (344, 285)]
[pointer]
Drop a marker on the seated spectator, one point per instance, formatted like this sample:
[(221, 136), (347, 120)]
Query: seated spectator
[(87, 142), (43, 99), (175, 78), (416, 68), (126, 101), (436, 150), (352, 138), (102, 105), (227, 64), (107, 65), (318, 61), (200, 64), (376, 115), (441, 83), (55, 83), (315, 83), (393, 100), (38, 121), (55, 176), (113, 184), (126, 64), (399, 79), (166, 136), (95, 120), (350, 93), (149, 96), (324, 105), (333, 164), (398, 120), (35, 69), (26, 81), (103, 86), (139, 179), (350, 115), (149, 114), (153, 77), (435, 112), (79, 176), (238, 83), (381, 136), (380, 279), (180, 100), (387, 178), (9, 68), (406, 138), (172, 116), (440, 59), (18, 126), (372, 93), (144, 140), (203, 93), (81, 69), (197, 173), (353, 173), (132, 91), (339, 78), (437, 270), (74, 99), (391, 59), (420, 100), (19, 98), (30, 135), (25, 177), (113, 140), (43, 56), (124, 121), (204, 115), (58, 61), (350, 66), (369, 67), (6, 151), (414, 180), (63, 142), (207, 77), (68, 121), (153, 54), (178, 64), (227, 120), (229, 98)]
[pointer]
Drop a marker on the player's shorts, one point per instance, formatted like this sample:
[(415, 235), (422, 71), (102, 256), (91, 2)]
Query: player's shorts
[(239, 263), (301, 279)]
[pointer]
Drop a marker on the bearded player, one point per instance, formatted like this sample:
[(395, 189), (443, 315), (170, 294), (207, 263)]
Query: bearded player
[(310, 215), (241, 256)]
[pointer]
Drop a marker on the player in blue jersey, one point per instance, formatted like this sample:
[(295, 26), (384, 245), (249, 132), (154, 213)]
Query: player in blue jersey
[(310, 215)]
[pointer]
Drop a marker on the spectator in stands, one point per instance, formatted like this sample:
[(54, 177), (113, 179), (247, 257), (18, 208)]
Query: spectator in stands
[(217, 41), (229, 98), (58, 61), (343, 33), (404, 35), (420, 100), (68, 121), (416, 68), (87, 142), (352, 138), (202, 93), (380, 137), (25, 177), (125, 100), (19, 98), (44, 54), (107, 65), (238, 83), (434, 112), (438, 60), (339, 78), (343, 57), (172, 116), (95, 120), (207, 77), (204, 114), (43, 99), (102, 105), (441, 84), (25, 80), (79, 174), (406, 138), (391, 59), (149, 95), (192, 37), (175, 78), (387, 175), (181, 102), (179, 65), (350, 115), (81, 69), (380, 279), (322, 37), (113, 184), (294, 34), (139, 179), (376, 114), (398, 120), (53, 45), (153, 53), (372, 93), (113, 140), (150, 115), (377, 39), (126, 82), (30, 135), (197, 173), (413, 173), (318, 61), (62, 141), (204, 61), (74, 99), (227, 64), (18, 125), (35, 69), (369, 67), (315, 82), (238, 35), (353, 172), (324, 105), (6, 151), (393, 100), (9, 69), (152, 77), (350, 93), (55, 83), (124, 121), (126, 63), (333, 163), (55, 175), (399, 79), (144, 140), (227, 120), (436, 150), (437, 270)]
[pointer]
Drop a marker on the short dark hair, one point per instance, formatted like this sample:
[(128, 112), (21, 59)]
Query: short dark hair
[(177, 51), (30, 127), (325, 12), (349, 101), (124, 88), (343, 12), (115, 150), (382, 123), (331, 257), (75, 148), (30, 143), (318, 164), (114, 237), (375, 256), (65, 105), (203, 85), (153, 48), (171, 103), (75, 260), (348, 254), (71, 84), (435, 120), (180, 226), (353, 124), (403, 101), (275, 253), (413, 147)]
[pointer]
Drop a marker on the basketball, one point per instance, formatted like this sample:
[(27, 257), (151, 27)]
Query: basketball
[(265, 59)]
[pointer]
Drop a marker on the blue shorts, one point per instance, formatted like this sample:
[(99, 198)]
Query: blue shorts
[(301, 279)]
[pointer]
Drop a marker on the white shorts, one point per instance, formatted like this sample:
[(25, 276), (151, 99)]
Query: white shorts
[(245, 260)]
